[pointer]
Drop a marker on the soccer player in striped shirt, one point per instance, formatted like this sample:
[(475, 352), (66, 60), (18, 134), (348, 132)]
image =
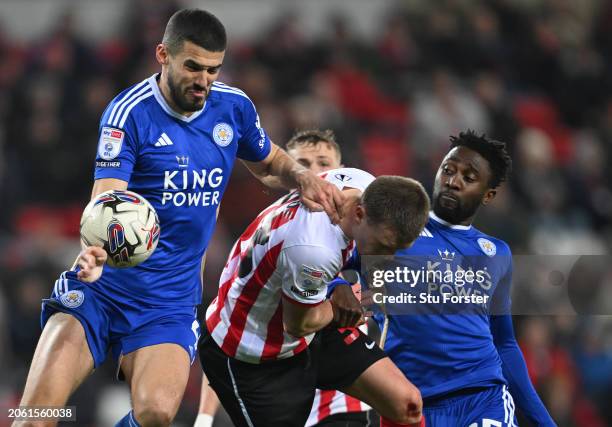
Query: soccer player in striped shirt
[(173, 138), (318, 151), (268, 342)]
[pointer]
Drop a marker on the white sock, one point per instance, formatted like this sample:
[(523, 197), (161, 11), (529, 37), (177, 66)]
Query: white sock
[(203, 420)]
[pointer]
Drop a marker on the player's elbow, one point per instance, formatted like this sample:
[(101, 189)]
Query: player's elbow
[(297, 329), (408, 408)]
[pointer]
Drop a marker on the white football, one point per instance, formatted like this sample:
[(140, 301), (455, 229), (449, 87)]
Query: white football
[(123, 223)]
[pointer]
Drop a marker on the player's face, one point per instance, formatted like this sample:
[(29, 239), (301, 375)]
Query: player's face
[(190, 74), (462, 185), (318, 158)]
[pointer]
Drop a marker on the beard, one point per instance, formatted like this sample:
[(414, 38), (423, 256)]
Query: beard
[(453, 209), (180, 97)]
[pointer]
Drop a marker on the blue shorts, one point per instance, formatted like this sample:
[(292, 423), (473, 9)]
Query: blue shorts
[(120, 325), (487, 407)]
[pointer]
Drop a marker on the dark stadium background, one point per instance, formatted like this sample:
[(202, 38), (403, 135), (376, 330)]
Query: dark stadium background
[(393, 80)]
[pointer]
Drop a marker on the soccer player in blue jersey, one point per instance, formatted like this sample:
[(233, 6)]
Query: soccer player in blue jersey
[(173, 138), (460, 350)]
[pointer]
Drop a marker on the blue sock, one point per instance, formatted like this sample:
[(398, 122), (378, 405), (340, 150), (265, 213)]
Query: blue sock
[(128, 421)]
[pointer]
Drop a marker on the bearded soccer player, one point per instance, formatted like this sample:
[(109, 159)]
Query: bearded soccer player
[(318, 151), (268, 342), (460, 350), (173, 138)]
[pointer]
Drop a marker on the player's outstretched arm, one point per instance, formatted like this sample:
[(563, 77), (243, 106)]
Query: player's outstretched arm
[(515, 371), (317, 194)]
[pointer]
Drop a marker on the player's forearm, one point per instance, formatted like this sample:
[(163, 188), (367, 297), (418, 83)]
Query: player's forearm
[(282, 171), (106, 184), (310, 320)]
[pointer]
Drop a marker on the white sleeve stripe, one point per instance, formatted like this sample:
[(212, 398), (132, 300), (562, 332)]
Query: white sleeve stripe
[(132, 105), (218, 89), (224, 86), (127, 95), (127, 102)]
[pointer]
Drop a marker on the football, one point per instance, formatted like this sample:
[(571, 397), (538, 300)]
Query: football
[(123, 223)]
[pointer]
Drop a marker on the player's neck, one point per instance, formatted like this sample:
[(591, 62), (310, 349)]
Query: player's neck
[(162, 83)]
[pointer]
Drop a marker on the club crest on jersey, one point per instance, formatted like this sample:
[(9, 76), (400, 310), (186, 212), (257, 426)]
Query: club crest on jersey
[(311, 278), (223, 134), (72, 299), (110, 143), (487, 246)]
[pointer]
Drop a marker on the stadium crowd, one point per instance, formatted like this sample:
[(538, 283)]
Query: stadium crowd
[(537, 74)]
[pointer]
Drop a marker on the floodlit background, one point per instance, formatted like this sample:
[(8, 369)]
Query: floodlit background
[(393, 80)]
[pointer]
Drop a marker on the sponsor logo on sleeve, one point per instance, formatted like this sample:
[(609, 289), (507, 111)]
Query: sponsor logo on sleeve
[(304, 293), (110, 143), (104, 164), (311, 278)]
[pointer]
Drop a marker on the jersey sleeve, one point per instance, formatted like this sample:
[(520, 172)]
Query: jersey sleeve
[(117, 149), (254, 145), (306, 271), (501, 302)]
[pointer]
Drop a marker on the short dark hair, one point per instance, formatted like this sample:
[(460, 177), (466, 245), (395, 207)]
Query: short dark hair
[(313, 137), (399, 202), (197, 26), (493, 151)]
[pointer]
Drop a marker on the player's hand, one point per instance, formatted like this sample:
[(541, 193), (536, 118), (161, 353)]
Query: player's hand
[(346, 306), (320, 195), (91, 260)]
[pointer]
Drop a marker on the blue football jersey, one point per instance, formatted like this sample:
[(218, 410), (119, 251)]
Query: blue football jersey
[(441, 338), (181, 165)]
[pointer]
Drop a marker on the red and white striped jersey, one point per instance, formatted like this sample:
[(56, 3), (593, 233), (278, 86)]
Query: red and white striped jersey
[(330, 402), (287, 251)]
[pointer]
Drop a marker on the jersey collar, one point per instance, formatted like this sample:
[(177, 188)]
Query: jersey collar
[(162, 102), (439, 220)]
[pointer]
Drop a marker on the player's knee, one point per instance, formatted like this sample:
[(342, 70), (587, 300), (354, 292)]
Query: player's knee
[(407, 406), (153, 415)]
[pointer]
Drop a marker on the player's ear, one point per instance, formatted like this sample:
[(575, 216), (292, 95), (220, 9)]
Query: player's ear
[(161, 54), (359, 210), (489, 195)]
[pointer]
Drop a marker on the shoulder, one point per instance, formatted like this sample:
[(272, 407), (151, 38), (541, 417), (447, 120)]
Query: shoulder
[(314, 229), (129, 102), (222, 92), (492, 246)]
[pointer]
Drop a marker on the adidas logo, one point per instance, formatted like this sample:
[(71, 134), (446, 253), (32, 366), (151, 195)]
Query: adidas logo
[(163, 140), (426, 233)]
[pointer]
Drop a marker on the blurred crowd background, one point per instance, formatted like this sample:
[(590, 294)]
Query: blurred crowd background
[(537, 74)]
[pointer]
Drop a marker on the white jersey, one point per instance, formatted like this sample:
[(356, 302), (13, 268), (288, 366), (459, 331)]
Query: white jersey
[(287, 252)]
